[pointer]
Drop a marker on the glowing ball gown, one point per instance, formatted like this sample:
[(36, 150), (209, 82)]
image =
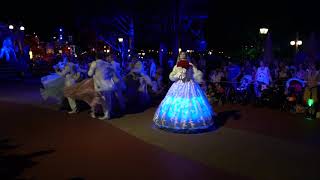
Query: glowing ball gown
[(185, 107)]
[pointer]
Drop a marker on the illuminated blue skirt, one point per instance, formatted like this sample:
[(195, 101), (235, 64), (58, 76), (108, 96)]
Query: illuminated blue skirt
[(185, 107)]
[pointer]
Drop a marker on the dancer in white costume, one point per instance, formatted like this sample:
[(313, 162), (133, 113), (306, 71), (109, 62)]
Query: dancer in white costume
[(185, 107), (53, 84), (71, 75), (120, 85), (102, 73)]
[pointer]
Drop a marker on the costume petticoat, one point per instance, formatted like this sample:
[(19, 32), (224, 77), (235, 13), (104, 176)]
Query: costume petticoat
[(53, 85), (184, 108), (84, 91)]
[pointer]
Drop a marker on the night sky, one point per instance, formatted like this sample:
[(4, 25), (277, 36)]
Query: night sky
[(231, 23)]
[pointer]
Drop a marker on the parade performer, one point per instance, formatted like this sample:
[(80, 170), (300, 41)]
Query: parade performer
[(185, 108), (53, 84), (120, 85), (86, 92), (71, 76), (102, 73)]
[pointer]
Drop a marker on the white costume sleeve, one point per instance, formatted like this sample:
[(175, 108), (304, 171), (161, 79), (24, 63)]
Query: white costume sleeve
[(197, 75), (92, 68), (175, 74)]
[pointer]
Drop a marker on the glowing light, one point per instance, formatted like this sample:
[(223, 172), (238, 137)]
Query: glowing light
[(108, 50), (209, 52), (60, 29), (104, 46), (310, 102), (120, 40), (11, 26), (292, 43), (161, 50), (179, 112), (180, 50), (128, 50), (143, 54), (54, 37), (104, 50), (69, 48), (129, 55), (299, 42), (30, 55), (75, 55), (60, 51), (264, 30), (21, 28)]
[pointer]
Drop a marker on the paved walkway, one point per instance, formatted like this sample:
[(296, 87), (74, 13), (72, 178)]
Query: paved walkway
[(254, 143)]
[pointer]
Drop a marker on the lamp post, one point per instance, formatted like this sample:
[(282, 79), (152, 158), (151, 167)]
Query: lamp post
[(120, 39), (18, 36), (296, 43), (263, 32)]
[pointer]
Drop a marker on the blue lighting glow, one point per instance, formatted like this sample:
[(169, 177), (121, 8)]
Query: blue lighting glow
[(185, 107), (60, 29)]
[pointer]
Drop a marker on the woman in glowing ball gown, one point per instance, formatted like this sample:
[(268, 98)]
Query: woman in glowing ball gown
[(185, 108)]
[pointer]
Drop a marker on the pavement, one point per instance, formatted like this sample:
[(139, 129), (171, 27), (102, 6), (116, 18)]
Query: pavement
[(249, 143)]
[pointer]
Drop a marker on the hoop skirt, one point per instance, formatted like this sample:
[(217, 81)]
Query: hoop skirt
[(84, 91), (53, 85), (184, 108)]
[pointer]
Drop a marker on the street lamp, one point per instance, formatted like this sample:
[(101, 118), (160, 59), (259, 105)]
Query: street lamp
[(264, 31), (120, 40), (11, 27), (296, 43), (21, 28), (299, 42)]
